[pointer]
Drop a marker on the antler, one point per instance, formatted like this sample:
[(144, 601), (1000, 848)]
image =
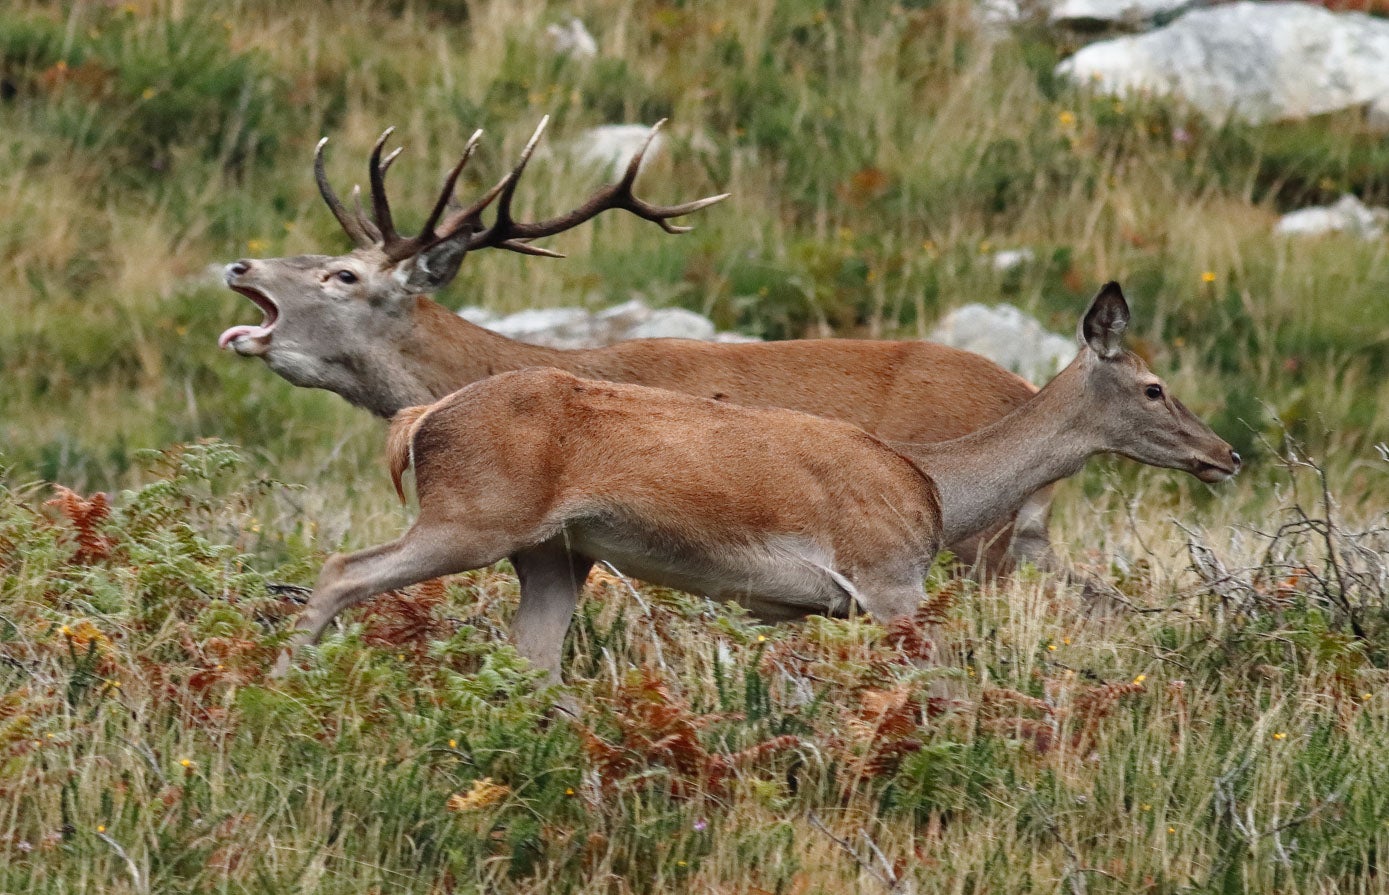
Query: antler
[(382, 232), (351, 224), (505, 232)]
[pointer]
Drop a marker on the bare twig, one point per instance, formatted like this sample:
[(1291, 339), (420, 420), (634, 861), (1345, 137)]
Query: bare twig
[(886, 875), (130, 866)]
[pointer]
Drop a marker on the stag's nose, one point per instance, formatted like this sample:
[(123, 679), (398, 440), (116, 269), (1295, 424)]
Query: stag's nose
[(1235, 460), (237, 268)]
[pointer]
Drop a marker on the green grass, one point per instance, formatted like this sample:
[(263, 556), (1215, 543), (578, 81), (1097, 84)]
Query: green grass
[(878, 153), (1212, 744)]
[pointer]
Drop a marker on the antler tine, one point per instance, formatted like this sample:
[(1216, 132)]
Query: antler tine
[(363, 221), (514, 178), (505, 188), (427, 235), (380, 206), (508, 234), (350, 225), (386, 162), (655, 213), (525, 248)]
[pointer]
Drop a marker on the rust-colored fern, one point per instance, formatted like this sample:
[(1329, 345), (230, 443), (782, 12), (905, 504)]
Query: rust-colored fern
[(406, 619), (86, 515), (909, 635), (655, 728)]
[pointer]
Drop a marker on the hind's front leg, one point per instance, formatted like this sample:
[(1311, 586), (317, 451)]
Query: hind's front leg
[(551, 579), (424, 552)]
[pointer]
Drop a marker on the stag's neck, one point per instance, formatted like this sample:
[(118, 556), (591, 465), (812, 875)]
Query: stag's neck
[(447, 353), (985, 477)]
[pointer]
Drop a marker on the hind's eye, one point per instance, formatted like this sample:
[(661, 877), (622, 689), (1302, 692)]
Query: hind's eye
[(346, 276), (1154, 392)]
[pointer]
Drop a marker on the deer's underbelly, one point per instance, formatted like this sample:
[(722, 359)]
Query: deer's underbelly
[(779, 578)]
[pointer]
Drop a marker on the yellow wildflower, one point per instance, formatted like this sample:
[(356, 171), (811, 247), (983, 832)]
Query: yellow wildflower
[(1208, 277)]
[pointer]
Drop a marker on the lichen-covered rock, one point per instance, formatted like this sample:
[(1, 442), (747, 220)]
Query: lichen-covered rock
[(572, 39), (1254, 61), (1012, 259), (1088, 15), (1348, 215), (578, 328), (1008, 337)]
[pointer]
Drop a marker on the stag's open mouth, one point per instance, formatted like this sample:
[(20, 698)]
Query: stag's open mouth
[(247, 338)]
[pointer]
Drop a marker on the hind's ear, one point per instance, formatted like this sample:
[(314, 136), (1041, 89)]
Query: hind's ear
[(1102, 327)]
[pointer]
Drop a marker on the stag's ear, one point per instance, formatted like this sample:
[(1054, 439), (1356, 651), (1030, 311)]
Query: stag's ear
[(1102, 327), (435, 267)]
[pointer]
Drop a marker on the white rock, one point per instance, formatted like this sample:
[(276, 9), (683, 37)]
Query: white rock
[(578, 328), (630, 313), (1349, 214), (1008, 337), (612, 146), (1095, 14), (673, 323), (734, 338), (998, 15), (1256, 61), (480, 316), (1009, 259), (572, 39), (554, 327)]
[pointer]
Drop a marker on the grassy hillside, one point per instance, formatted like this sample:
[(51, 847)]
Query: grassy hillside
[(1221, 730)]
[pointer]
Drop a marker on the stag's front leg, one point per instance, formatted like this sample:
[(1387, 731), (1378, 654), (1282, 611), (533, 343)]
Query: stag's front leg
[(424, 552)]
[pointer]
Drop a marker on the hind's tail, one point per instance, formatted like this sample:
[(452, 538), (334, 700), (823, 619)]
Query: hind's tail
[(399, 442)]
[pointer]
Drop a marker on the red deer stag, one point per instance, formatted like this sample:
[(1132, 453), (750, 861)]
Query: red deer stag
[(361, 325), (784, 512)]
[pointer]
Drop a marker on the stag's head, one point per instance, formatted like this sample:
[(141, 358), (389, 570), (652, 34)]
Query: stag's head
[(340, 322), (1130, 407)]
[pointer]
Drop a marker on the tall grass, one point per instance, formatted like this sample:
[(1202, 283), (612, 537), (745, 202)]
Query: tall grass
[(1199, 744)]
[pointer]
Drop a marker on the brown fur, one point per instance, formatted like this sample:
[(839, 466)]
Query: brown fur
[(399, 441), (784, 512)]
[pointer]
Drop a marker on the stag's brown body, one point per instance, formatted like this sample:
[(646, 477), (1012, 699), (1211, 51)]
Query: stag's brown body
[(360, 325), (898, 390)]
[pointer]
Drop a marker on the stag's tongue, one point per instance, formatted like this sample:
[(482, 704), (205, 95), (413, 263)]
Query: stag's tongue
[(225, 339)]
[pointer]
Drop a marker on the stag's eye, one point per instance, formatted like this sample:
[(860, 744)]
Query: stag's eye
[(1154, 392), (346, 276)]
